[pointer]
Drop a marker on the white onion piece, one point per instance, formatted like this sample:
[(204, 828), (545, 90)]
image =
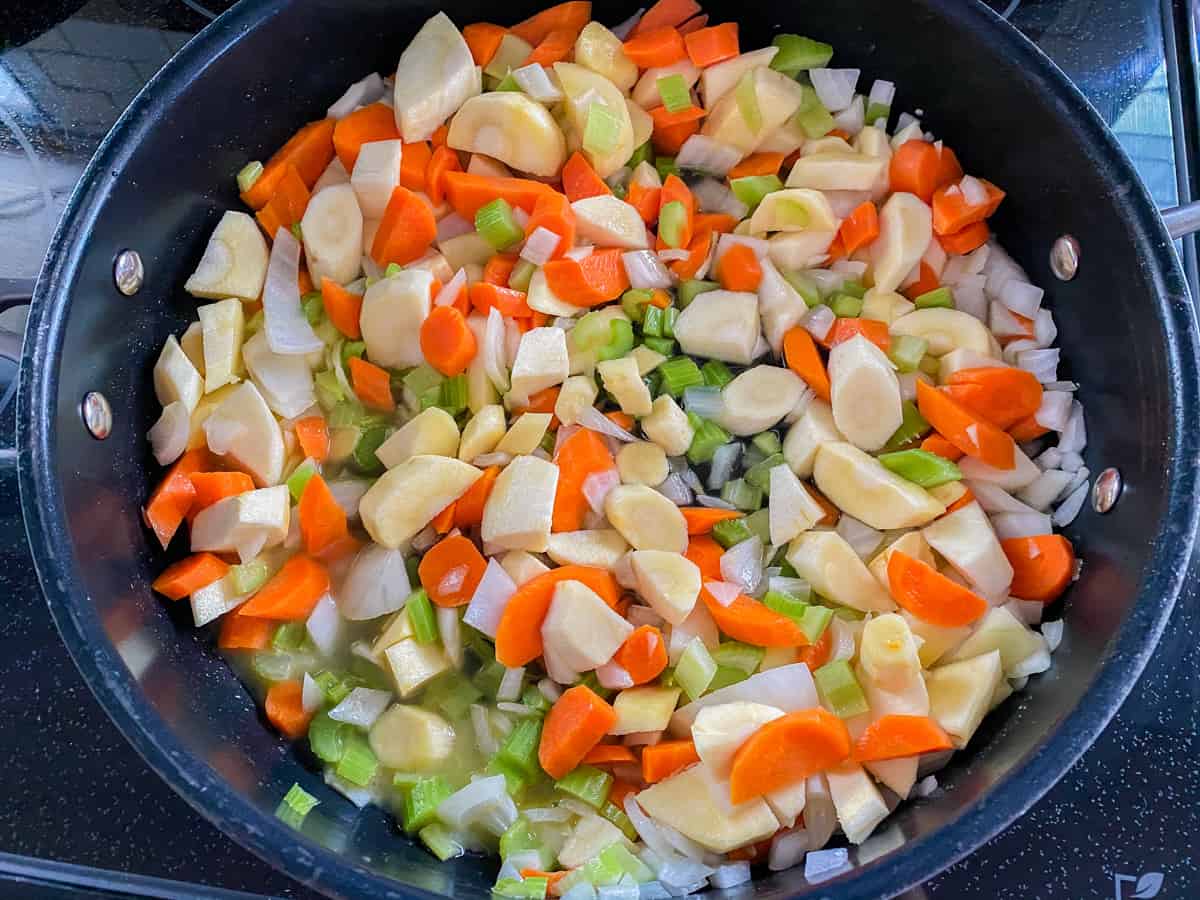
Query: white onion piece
[(362, 92), (535, 82), (579, 253), (861, 537), (675, 489), (169, 435), (1053, 633), (854, 269), (450, 633), (828, 281), (684, 845), (808, 395), (925, 786), (639, 615), (723, 592), (547, 814), (510, 684), (361, 707), (597, 486), (1012, 349), (448, 294), (789, 688), (311, 695), (787, 849), (882, 93), (495, 363), (1043, 364), (973, 191), (670, 255), (540, 246), (707, 155), (705, 401), (1044, 329), (821, 865), (730, 875), (452, 226), (360, 797), (842, 639), (852, 119), (549, 690), (742, 565), (1055, 410), (969, 297), (1081, 475), (834, 87), (221, 433), (818, 320), (348, 492), (1050, 459), (1011, 525), (649, 830), (376, 585), (484, 801), (1070, 508), (288, 331), (622, 31), (613, 676), (994, 499), (714, 502), (714, 197), (594, 420), (1020, 296), (1074, 437), (324, 625), (645, 270), (1003, 323), (491, 596), (517, 709), (1071, 461), (820, 815), (482, 726), (520, 217)]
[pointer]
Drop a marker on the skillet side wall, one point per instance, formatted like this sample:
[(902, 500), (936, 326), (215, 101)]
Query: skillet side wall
[(1125, 328)]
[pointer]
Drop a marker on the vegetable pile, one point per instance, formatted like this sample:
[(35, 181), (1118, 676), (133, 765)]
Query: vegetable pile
[(619, 450)]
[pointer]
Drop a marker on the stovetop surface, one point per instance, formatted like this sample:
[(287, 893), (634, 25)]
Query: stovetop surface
[(81, 815)]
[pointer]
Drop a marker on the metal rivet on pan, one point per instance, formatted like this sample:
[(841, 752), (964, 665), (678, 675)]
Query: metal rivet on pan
[(1106, 491), (1064, 258), (97, 415), (128, 272)]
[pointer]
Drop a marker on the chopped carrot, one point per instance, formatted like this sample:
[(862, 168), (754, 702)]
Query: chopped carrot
[(607, 754), (717, 43), (444, 160), (664, 119), (552, 878), (803, 358), (816, 655), (597, 278), (966, 499), (1002, 395), (693, 24), (239, 632), (926, 282), (652, 48), (972, 435), (312, 434), (286, 206), (440, 135), (554, 47), (675, 191), (706, 553), (915, 169), (832, 513), (787, 750), (643, 654), (446, 341), (752, 622), (1027, 430), (303, 281), (662, 760), (671, 130), (952, 212), (667, 12), (542, 401), (323, 524), (935, 443), (893, 737), (406, 229), (173, 498), (375, 122), (620, 419), (698, 251), (414, 163), (874, 331), (701, 519), (757, 164), (949, 170), (466, 192), (859, 228), (189, 575), (580, 180), (309, 150), (661, 299), (739, 269), (966, 239), (343, 307), (468, 510), (483, 39), (372, 385), (213, 486), (571, 16), (285, 708), (519, 635), (1043, 566), (451, 570), (499, 269), (839, 133), (929, 595), (553, 212), (292, 592), (581, 455), (620, 790), (645, 200), (444, 521), (509, 302), (575, 724), (721, 223)]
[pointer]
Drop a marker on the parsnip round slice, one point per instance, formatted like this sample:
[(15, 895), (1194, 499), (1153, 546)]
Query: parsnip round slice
[(642, 462), (759, 398), (865, 393), (234, 263), (646, 519), (946, 330), (793, 209), (250, 434), (799, 249), (830, 565), (332, 229), (583, 87), (609, 221), (835, 171), (510, 127), (436, 74), (669, 582), (861, 486), (905, 230)]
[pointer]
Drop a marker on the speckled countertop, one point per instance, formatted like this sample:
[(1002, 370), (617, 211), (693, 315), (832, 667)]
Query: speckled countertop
[(73, 792)]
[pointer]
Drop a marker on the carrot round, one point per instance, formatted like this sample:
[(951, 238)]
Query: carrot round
[(607, 754), (519, 635), (662, 760), (915, 169), (740, 269), (929, 595), (291, 593), (1043, 566), (483, 39), (706, 554), (406, 229), (442, 161), (285, 708), (717, 43), (312, 434), (751, 622), (569, 16), (656, 47), (893, 737), (859, 228), (597, 278), (375, 122), (446, 341), (968, 432), (701, 519), (467, 192), (189, 575), (372, 385), (643, 655), (874, 331), (579, 179), (966, 239), (451, 570), (786, 750), (803, 358), (240, 632), (499, 269), (173, 498), (667, 12), (816, 655), (581, 455), (468, 509), (952, 212), (935, 443), (757, 164), (322, 520), (554, 47), (1002, 395), (508, 302), (575, 724), (309, 150), (213, 486)]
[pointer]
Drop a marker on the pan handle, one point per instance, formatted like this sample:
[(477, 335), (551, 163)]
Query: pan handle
[(1182, 220)]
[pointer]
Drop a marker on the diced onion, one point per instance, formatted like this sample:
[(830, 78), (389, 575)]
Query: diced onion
[(1044, 329), (324, 625), (669, 255), (834, 87), (1021, 297), (714, 502), (1074, 437), (594, 420), (821, 865), (534, 81), (579, 253), (645, 270), (994, 499), (448, 294), (705, 401), (973, 190), (597, 486), (622, 31), (549, 690), (882, 93), (714, 197), (649, 830), (491, 596), (788, 688), (540, 246), (453, 225), (361, 707), (360, 797), (684, 845), (348, 492), (707, 155), (723, 592), (614, 677), (494, 359), (969, 296), (376, 585), (1053, 633), (169, 435), (311, 695), (1043, 364), (818, 320), (547, 814), (361, 93), (742, 564), (1003, 323), (450, 632), (482, 726), (852, 119), (643, 615), (787, 849), (1011, 525), (1055, 410), (484, 801), (510, 684), (862, 538), (925, 786), (288, 331), (730, 875), (676, 490), (1070, 508)]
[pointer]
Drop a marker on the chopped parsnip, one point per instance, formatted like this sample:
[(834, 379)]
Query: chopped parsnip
[(431, 432), (518, 512)]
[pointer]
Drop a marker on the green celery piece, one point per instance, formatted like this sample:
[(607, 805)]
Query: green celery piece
[(248, 174), (803, 285), (520, 747), (487, 679), (249, 577), (921, 467), (768, 442), (674, 92), (521, 275), (617, 816), (289, 637), (495, 223), (421, 801), (452, 396), (678, 374), (358, 764), (695, 669), (507, 83), (295, 805), (725, 676), (814, 622), (907, 351), (421, 378), (752, 188), (298, 480), (672, 219), (586, 783), (518, 838), (849, 614), (314, 307), (708, 436), (737, 655), (452, 694), (352, 349), (798, 53), (670, 315), (327, 738), (367, 674), (392, 270), (297, 231), (853, 288), (364, 458), (759, 523), (515, 781), (591, 332), (728, 532), (420, 613), (690, 289), (619, 344), (336, 688), (619, 856), (840, 689), (663, 346), (535, 699), (525, 888), (633, 303), (642, 154), (742, 494), (912, 426), (812, 117), (940, 297), (716, 373), (548, 441), (929, 365), (441, 842), (271, 666), (652, 321), (785, 604), (592, 683), (877, 111), (846, 306), (665, 166), (759, 475), (601, 131)]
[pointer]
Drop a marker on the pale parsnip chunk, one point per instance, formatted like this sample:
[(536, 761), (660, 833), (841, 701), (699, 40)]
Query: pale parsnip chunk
[(936, 640), (392, 313), (793, 209), (522, 566), (888, 652), (830, 565), (718, 79), (244, 524), (510, 127), (668, 581), (885, 306), (175, 378), (601, 548), (792, 509), (525, 435), (430, 432), (285, 382), (413, 664), (905, 230), (577, 394), (836, 171), (435, 76), (960, 693), (799, 249), (814, 428), (911, 543), (1000, 630), (759, 398), (518, 512), (1023, 473), (720, 325), (243, 428), (222, 327), (777, 96), (376, 174), (646, 519), (865, 393), (214, 600), (945, 330), (482, 433), (608, 221), (668, 426), (779, 306), (541, 362), (642, 462), (580, 629), (481, 392), (192, 344), (583, 87), (234, 263), (859, 805), (719, 731), (600, 50), (859, 485), (406, 498), (621, 379), (411, 739), (685, 802), (332, 230), (591, 835), (966, 539), (643, 709)]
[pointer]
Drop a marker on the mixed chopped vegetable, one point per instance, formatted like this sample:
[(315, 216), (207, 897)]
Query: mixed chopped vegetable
[(619, 450)]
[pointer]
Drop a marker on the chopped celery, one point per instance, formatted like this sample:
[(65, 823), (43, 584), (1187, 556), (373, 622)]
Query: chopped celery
[(549, 439), (520, 747), (759, 475), (652, 321), (487, 679), (616, 857), (633, 303), (797, 53), (392, 270), (716, 373), (515, 781), (853, 288), (708, 436), (591, 332), (846, 306), (747, 102), (289, 637), (295, 805), (929, 365), (521, 274), (672, 220), (840, 689), (535, 699), (368, 674), (912, 426), (592, 683), (452, 395), (725, 676), (298, 480), (297, 231), (249, 577), (907, 351), (665, 166), (742, 494), (752, 188), (741, 656), (695, 669), (670, 314), (364, 457), (248, 174), (313, 306), (768, 442), (422, 378), (336, 688), (675, 94), (421, 800), (813, 117), (441, 842), (814, 622), (601, 131), (877, 111), (759, 524), (271, 666), (679, 373), (452, 694), (731, 531), (507, 83), (921, 467), (518, 838), (620, 342), (803, 285), (327, 738), (617, 816), (523, 888), (494, 221), (351, 414), (412, 567), (358, 763), (786, 604), (420, 613), (690, 289), (937, 298), (642, 154), (352, 349), (663, 345), (849, 614), (586, 783)]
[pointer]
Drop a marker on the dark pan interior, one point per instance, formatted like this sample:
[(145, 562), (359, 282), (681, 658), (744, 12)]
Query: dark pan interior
[(160, 183)]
